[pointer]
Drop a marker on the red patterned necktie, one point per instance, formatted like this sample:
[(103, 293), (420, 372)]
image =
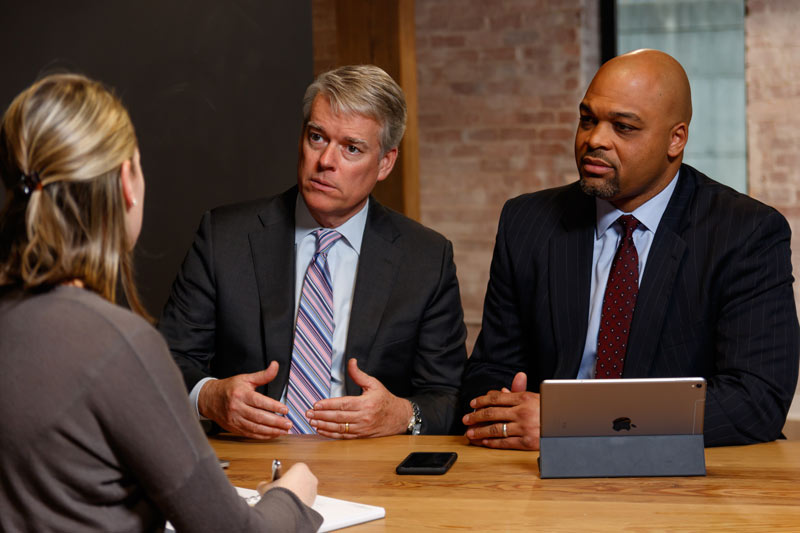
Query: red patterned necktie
[(619, 303), (310, 370)]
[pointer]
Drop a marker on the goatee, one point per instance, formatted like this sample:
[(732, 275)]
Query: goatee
[(604, 189)]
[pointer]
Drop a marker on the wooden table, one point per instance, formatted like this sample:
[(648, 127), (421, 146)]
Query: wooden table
[(748, 488)]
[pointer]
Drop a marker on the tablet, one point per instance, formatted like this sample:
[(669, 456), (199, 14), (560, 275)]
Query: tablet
[(608, 407)]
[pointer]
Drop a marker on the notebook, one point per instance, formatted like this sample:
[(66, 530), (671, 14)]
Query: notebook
[(336, 513)]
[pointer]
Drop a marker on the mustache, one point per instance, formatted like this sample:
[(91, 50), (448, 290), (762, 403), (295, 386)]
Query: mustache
[(597, 154)]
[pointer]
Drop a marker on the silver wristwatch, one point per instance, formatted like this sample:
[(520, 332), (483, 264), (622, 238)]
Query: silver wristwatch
[(415, 422)]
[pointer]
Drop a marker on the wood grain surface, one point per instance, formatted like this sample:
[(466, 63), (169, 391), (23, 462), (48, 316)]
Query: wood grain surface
[(747, 488)]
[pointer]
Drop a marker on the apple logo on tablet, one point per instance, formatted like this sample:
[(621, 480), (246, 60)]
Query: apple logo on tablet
[(623, 422)]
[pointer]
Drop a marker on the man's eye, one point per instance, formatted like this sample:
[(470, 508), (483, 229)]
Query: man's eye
[(314, 137), (586, 120), (624, 127), (351, 149)]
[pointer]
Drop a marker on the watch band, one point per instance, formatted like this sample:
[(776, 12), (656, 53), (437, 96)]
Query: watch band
[(415, 422)]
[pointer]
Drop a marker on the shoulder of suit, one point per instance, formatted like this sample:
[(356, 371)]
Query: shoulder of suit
[(244, 213), (553, 202), (410, 228), (714, 197)]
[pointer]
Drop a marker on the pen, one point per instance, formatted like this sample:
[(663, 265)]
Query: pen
[(277, 470)]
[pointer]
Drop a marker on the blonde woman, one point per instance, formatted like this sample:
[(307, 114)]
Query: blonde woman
[(96, 433)]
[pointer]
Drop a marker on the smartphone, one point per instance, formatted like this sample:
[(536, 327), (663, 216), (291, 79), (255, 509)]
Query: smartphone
[(427, 463)]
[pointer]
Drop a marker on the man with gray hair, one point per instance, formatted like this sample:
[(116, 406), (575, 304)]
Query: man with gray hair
[(323, 311)]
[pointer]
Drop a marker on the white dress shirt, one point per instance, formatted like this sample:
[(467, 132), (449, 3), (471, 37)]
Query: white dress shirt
[(607, 237), (343, 264)]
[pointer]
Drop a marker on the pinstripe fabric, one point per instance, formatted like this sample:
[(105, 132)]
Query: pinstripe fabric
[(310, 371), (715, 301)]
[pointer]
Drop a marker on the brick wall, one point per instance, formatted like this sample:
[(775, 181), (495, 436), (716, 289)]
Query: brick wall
[(499, 85), (773, 93), (772, 71)]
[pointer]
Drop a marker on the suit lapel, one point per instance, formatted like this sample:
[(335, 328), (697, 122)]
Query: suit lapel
[(378, 265), (665, 257), (569, 267), (272, 249)]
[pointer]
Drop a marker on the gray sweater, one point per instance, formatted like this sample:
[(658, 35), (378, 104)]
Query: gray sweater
[(96, 433)]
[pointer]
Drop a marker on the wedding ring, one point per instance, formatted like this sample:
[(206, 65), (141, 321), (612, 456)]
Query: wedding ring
[(347, 427), (505, 431)]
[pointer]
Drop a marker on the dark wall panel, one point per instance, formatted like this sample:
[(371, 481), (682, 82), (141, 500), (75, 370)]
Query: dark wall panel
[(214, 89)]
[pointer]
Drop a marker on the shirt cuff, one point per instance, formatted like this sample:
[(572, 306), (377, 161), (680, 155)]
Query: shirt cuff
[(194, 395)]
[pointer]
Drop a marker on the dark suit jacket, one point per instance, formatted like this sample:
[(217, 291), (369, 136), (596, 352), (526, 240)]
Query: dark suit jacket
[(231, 309), (715, 301)]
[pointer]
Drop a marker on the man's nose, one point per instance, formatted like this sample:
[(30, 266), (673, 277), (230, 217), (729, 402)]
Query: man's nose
[(327, 159), (599, 136)]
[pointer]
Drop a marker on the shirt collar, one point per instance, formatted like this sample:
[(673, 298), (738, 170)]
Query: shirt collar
[(648, 214), (352, 230)]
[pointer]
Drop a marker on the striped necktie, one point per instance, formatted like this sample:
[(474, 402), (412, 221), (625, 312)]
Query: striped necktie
[(310, 371)]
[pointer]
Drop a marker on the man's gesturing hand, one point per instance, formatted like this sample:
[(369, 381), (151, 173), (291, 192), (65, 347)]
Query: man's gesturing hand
[(234, 404), (376, 413)]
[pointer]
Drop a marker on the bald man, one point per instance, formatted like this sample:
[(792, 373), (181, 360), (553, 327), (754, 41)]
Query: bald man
[(643, 268)]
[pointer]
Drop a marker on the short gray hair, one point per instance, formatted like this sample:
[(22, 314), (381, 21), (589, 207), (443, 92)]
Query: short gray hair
[(366, 90)]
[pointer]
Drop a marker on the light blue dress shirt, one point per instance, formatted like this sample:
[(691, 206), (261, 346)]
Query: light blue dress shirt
[(606, 242), (343, 264)]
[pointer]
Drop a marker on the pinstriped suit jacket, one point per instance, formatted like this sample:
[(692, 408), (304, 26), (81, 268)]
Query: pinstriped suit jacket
[(715, 301)]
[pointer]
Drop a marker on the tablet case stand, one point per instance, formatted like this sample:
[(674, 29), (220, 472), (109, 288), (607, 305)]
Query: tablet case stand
[(622, 456)]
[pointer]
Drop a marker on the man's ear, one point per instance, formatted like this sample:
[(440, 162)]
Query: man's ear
[(126, 178), (678, 137), (386, 164)]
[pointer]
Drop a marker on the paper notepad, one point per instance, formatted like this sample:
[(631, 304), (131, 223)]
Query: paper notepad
[(336, 513)]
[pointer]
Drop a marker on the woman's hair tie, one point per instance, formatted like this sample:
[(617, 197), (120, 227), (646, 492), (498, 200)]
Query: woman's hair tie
[(28, 184)]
